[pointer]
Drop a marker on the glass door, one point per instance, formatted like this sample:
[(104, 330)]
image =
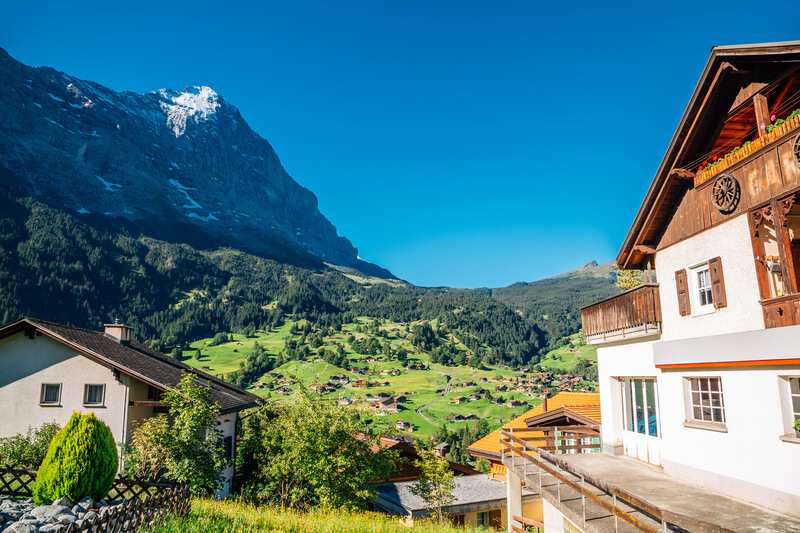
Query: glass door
[(641, 437)]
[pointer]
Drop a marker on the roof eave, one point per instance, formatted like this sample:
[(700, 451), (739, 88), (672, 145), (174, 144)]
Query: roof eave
[(718, 53)]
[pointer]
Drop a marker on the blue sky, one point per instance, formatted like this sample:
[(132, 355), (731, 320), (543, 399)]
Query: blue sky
[(465, 144)]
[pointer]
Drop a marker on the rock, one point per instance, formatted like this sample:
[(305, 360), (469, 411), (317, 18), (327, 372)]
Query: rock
[(77, 509), (50, 511), (86, 504), (63, 501), (91, 515), (11, 514), (21, 527), (66, 518), (178, 161), (52, 528)]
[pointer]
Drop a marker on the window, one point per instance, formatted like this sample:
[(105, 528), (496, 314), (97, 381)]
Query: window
[(794, 394), (483, 519), (642, 411), (706, 400), (704, 286), (701, 293), (94, 394), (51, 394)]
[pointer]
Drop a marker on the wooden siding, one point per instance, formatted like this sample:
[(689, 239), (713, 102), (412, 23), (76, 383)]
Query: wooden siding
[(769, 173), (783, 311), (635, 307)]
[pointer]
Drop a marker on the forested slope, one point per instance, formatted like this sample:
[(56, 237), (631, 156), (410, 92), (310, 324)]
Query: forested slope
[(87, 270)]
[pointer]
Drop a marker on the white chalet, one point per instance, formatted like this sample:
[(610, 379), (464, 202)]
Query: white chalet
[(48, 370), (699, 367)]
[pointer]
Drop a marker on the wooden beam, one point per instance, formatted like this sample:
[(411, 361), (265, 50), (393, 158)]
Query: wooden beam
[(147, 404), (762, 114), (644, 249), (682, 174)]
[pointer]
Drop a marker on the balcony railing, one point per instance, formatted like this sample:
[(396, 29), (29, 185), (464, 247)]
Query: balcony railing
[(634, 313), (781, 311)]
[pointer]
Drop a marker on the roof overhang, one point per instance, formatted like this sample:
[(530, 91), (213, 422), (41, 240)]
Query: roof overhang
[(721, 68)]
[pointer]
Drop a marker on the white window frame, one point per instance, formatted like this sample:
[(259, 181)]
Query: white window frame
[(42, 401), (694, 288), (483, 519), (102, 401), (790, 406), (690, 395)]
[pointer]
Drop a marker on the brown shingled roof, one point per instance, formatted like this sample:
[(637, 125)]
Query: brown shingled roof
[(134, 359)]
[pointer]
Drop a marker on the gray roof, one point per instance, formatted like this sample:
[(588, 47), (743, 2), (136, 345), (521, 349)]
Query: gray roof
[(471, 491)]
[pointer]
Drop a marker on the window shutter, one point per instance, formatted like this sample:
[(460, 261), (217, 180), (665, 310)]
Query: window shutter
[(684, 307), (717, 282)]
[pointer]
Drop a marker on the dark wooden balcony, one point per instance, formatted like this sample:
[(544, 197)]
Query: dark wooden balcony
[(634, 313), (781, 311)]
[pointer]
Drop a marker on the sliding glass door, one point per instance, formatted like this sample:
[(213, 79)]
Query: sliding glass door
[(642, 433)]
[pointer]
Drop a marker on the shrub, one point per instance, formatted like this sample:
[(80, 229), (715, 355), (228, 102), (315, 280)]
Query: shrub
[(27, 451), (186, 444), (81, 461)]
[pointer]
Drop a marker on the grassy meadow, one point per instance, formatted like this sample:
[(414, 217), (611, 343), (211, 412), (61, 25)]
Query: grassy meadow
[(211, 516), (422, 385)]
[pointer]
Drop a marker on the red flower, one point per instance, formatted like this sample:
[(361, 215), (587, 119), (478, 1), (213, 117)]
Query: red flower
[(700, 167), (705, 163), (715, 158)]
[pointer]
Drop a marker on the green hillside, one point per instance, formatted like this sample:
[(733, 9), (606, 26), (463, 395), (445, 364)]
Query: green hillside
[(554, 303)]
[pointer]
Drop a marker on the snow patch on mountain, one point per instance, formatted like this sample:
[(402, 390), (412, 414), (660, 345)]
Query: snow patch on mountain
[(109, 186), (194, 103)]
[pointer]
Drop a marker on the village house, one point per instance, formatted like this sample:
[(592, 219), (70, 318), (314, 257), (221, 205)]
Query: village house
[(460, 399), (565, 409), (402, 424), (48, 371), (699, 366)]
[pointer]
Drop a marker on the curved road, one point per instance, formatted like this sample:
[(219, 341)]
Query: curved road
[(446, 392)]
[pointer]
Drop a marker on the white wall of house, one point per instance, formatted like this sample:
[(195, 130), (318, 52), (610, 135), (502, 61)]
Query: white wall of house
[(753, 458), (227, 425), (26, 364), (630, 359), (731, 242)]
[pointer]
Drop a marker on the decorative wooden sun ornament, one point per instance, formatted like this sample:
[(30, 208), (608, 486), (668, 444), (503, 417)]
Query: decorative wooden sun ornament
[(796, 150), (726, 192)]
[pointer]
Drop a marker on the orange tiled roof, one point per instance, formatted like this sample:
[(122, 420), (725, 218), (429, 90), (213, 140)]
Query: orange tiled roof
[(582, 403)]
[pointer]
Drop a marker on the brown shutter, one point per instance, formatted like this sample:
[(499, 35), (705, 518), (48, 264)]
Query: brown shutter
[(717, 282), (683, 293)]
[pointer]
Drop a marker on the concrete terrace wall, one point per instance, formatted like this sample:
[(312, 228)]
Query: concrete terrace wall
[(731, 242), (25, 364)]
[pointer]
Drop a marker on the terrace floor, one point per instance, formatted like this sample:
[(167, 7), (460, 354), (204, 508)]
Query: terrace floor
[(700, 507)]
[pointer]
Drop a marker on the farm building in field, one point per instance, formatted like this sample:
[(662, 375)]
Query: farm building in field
[(48, 370)]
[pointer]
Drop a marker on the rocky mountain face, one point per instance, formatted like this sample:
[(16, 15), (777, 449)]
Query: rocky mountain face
[(185, 165)]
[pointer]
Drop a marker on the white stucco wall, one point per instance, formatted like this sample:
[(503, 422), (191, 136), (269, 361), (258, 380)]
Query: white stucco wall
[(227, 425), (731, 242), (25, 364), (750, 461), (632, 359)]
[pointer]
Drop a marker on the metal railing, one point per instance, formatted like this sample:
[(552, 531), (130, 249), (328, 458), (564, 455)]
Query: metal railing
[(558, 468)]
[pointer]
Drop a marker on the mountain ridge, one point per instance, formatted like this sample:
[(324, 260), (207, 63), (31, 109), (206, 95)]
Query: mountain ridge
[(178, 164)]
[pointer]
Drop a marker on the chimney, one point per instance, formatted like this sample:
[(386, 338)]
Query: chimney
[(119, 332), (544, 405)]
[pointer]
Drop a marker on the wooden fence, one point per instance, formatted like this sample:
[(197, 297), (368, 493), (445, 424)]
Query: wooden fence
[(145, 502)]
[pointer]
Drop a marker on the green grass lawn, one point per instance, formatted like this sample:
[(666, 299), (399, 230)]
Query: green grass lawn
[(226, 358), (568, 356)]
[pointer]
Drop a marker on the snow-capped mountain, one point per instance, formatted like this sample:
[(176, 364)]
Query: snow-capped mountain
[(178, 163)]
